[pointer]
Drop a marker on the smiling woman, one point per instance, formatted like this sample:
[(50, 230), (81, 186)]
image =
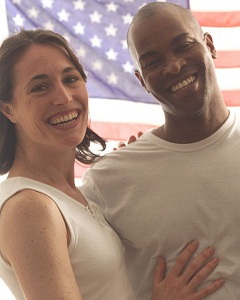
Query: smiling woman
[(49, 232)]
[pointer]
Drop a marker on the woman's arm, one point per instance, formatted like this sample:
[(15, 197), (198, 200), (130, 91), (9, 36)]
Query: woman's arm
[(182, 282), (34, 240)]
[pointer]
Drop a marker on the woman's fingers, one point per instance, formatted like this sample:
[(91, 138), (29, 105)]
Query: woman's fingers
[(130, 140)]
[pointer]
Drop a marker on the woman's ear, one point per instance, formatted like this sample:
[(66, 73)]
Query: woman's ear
[(139, 77), (7, 110), (209, 42)]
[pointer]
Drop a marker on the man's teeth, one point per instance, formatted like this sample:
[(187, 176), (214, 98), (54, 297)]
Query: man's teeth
[(182, 84), (61, 120)]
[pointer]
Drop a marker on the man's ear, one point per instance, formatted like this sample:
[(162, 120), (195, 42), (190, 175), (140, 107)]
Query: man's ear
[(139, 77), (7, 110), (209, 42)]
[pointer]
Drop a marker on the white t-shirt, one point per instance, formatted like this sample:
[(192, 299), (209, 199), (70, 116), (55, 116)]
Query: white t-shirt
[(159, 196), (95, 251)]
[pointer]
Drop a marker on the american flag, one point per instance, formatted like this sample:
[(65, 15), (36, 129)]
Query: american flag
[(97, 31)]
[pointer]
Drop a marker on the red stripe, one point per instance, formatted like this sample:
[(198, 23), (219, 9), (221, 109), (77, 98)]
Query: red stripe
[(79, 169), (118, 131), (114, 132), (232, 98), (227, 59), (122, 131), (218, 19)]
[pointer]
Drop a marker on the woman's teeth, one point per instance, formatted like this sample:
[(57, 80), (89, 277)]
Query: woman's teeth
[(64, 119)]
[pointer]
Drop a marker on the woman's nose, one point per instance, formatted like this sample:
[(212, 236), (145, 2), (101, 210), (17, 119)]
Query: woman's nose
[(62, 95)]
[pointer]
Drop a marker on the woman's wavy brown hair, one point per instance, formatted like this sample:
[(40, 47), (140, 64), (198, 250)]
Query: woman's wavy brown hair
[(10, 52)]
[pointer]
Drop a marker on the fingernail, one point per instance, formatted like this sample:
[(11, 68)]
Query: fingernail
[(194, 243), (215, 260), (211, 250), (221, 281)]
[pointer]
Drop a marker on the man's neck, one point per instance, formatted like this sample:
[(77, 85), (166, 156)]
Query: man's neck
[(184, 131)]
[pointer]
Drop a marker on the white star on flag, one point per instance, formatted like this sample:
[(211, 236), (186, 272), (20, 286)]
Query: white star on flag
[(111, 54), (112, 79), (47, 3), (79, 28), (63, 15), (79, 5), (95, 17), (18, 20), (111, 30), (96, 42), (112, 7)]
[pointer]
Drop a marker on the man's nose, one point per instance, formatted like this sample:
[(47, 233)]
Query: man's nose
[(173, 65)]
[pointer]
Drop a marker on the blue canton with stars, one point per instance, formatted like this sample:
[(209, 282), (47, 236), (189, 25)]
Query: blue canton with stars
[(97, 30)]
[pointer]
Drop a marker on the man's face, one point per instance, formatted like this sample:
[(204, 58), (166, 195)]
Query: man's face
[(174, 61)]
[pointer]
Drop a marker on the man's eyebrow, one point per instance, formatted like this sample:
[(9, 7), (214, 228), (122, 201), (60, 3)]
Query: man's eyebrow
[(175, 40), (147, 54), (179, 38)]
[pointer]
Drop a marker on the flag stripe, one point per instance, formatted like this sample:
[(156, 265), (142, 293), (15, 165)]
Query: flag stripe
[(222, 20), (119, 131), (215, 5), (231, 97), (228, 59), (218, 19), (119, 106), (225, 39), (124, 107)]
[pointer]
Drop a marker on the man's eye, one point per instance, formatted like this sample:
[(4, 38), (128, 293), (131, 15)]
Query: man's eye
[(152, 64), (183, 47)]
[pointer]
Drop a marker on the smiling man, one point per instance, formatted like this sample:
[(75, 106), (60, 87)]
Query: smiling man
[(177, 182)]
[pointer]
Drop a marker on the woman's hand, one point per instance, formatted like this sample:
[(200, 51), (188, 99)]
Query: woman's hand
[(183, 280), (130, 140)]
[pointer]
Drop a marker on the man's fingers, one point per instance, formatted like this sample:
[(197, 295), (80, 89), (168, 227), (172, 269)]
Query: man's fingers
[(200, 262), (184, 257), (159, 273), (210, 289), (203, 273)]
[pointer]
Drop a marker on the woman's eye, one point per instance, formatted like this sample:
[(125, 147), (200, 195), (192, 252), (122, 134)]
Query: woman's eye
[(39, 88), (71, 79)]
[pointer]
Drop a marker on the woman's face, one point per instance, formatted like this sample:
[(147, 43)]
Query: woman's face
[(50, 100)]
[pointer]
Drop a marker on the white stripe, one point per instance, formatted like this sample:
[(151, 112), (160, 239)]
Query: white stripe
[(3, 21), (225, 38), (120, 111), (228, 79), (215, 5)]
